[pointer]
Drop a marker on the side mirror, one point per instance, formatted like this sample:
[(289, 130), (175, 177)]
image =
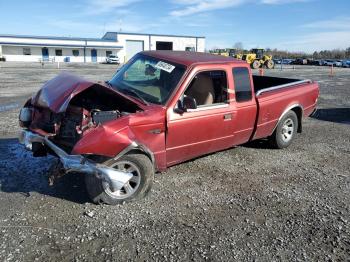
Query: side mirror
[(186, 103), (189, 102)]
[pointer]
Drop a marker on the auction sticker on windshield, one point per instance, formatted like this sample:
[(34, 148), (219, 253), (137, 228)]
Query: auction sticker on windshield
[(165, 66)]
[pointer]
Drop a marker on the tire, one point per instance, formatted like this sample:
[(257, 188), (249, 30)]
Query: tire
[(285, 131), (270, 64), (138, 187), (256, 64)]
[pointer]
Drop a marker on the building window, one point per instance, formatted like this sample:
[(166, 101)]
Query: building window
[(58, 52), (108, 53), (26, 51), (190, 49), (241, 80), (75, 52)]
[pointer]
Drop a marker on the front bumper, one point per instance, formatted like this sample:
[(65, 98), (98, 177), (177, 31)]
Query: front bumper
[(77, 163)]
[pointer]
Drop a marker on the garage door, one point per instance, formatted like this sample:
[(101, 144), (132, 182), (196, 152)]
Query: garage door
[(132, 48)]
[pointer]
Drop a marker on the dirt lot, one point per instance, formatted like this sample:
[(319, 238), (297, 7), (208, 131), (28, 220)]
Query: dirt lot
[(247, 203)]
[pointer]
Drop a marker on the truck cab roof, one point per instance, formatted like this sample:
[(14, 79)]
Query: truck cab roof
[(191, 58)]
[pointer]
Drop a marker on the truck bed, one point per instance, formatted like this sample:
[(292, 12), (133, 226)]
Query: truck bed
[(275, 96), (266, 83)]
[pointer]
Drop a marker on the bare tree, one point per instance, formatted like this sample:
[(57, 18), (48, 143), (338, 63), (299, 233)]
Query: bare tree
[(347, 52), (238, 46)]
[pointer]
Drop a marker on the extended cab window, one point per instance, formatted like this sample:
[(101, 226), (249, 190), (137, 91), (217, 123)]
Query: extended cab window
[(241, 80), (208, 88)]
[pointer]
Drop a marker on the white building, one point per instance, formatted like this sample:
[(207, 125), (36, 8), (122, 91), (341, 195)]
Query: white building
[(69, 49)]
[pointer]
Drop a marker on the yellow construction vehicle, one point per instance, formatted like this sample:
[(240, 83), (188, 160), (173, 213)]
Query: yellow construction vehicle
[(222, 52), (257, 58), (232, 52), (235, 53)]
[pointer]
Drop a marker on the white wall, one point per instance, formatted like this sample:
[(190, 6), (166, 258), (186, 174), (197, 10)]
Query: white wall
[(179, 43), (39, 41), (101, 54), (201, 45), (15, 53), (122, 42)]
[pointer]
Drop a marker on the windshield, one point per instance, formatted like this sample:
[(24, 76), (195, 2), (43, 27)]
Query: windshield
[(149, 79)]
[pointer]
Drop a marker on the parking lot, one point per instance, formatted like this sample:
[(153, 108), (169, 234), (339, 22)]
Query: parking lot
[(246, 203)]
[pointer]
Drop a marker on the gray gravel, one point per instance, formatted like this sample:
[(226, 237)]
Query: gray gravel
[(246, 203)]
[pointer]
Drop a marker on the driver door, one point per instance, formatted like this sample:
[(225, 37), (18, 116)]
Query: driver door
[(203, 130)]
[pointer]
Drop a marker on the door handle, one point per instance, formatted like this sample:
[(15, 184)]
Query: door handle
[(227, 117)]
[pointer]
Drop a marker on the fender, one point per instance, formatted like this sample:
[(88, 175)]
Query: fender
[(136, 146), (115, 144), (294, 106)]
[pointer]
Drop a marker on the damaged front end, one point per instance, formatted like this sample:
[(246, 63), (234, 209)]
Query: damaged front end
[(77, 163), (66, 109)]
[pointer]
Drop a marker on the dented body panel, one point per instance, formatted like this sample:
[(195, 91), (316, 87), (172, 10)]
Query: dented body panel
[(64, 109)]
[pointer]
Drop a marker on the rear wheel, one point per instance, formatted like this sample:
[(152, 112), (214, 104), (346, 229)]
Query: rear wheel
[(256, 64), (285, 131), (139, 185), (270, 64)]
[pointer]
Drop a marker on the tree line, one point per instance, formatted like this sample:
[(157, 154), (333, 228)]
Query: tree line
[(324, 54)]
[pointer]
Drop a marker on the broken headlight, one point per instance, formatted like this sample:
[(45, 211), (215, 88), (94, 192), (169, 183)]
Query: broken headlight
[(25, 116)]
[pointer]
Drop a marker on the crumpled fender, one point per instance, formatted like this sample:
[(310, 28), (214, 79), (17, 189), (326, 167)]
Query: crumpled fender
[(105, 140)]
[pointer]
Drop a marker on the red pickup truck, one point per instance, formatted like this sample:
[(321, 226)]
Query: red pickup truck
[(158, 110)]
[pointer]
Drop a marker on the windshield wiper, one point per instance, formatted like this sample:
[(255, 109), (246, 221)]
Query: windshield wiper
[(131, 92), (109, 84), (134, 94)]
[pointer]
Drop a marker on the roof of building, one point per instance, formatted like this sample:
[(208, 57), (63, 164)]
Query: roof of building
[(57, 38), (190, 58), (114, 35), (72, 42)]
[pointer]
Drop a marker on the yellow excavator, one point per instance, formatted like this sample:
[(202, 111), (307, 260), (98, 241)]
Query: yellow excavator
[(257, 58)]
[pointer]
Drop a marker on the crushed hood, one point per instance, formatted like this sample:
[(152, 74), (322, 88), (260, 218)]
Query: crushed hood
[(59, 91)]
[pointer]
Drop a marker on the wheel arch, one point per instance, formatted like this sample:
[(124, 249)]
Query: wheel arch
[(136, 147), (298, 110)]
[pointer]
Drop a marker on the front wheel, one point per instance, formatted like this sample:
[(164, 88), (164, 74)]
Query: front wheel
[(285, 131), (139, 185), (256, 64)]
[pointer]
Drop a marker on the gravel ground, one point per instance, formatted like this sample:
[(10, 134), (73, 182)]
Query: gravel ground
[(246, 203)]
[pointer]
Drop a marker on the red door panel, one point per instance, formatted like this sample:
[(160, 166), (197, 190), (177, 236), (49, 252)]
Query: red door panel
[(200, 132)]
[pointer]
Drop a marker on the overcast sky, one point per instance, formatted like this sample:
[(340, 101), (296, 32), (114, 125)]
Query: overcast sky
[(295, 25)]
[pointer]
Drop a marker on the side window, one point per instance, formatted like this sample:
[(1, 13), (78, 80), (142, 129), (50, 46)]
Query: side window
[(209, 88), (241, 80)]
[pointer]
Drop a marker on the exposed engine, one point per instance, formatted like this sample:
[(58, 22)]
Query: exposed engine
[(85, 111), (77, 120)]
